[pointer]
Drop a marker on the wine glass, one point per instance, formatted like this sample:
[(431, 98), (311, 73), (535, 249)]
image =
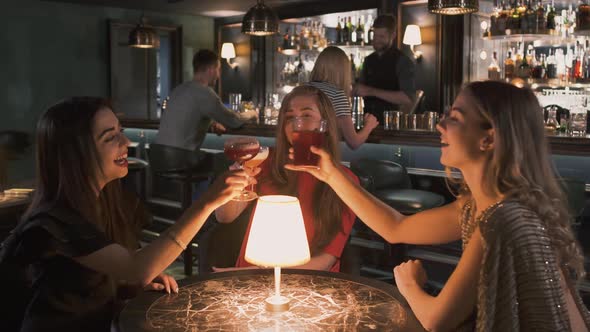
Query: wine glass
[(255, 162), (241, 149)]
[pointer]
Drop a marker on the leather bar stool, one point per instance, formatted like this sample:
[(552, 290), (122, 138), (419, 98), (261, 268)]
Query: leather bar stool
[(187, 168), (390, 182), (575, 190)]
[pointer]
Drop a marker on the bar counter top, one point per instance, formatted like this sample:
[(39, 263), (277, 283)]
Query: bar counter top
[(564, 145)]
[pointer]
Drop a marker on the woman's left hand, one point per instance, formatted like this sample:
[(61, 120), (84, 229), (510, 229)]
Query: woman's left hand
[(163, 282), (409, 274)]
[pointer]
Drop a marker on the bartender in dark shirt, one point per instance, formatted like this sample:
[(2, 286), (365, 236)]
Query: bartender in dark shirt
[(387, 77)]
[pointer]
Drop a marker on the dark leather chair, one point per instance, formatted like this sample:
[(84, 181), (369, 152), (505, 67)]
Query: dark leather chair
[(390, 182), (188, 168), (575, 190)]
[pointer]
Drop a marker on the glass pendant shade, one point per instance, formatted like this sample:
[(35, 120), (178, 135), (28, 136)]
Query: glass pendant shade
[(144, 37), (260, 20), (453, 7)]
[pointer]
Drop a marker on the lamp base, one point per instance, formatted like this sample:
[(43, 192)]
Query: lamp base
[(277, 303)]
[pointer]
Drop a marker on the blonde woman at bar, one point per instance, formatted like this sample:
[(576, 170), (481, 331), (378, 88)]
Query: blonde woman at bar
[(520, 262), (332, 75)]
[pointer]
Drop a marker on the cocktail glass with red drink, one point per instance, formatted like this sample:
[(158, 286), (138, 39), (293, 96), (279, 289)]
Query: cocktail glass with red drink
[(307, 131), (240, 150), (255, 162)]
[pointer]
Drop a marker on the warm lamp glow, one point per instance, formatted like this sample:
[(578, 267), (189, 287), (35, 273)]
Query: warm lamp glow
[(277, 236), (228, 52), (412, 37)]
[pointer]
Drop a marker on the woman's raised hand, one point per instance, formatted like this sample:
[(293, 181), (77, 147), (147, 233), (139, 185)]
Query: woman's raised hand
[(229, 185), (325, 169)]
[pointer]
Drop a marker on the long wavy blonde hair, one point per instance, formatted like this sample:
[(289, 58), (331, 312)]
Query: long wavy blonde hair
[(520, 166), (327, 208), (333, 66)]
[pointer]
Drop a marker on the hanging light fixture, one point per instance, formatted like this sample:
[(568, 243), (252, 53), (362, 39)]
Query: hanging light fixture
[(453, 7), (260, 20), (143, 36)]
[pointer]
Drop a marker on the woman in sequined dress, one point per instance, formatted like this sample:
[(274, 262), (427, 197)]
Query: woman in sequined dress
[(520, 262)]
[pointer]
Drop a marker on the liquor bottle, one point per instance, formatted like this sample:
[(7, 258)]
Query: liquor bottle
[(368, 24), (586, 63), (583, 16), (531, 16), (345, 32), (541, 22), (339, 32), (514, 20), (353, 35), (360, 32), (350, 29), (509, 67), (518, 60), (502, 19), (538, 69), (551, 65), (371, 32), (523, 17), (524, 70), (352, 66), (494, 69), (551, 17)]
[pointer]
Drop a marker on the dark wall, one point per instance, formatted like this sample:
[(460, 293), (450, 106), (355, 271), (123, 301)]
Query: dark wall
[(54, 50), (427, 71), (236, 80)]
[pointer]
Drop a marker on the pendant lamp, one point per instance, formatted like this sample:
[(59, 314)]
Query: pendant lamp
[(260, 20), (453, 7), (143, 36)]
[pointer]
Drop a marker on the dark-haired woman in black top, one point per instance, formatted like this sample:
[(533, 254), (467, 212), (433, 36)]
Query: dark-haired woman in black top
[(72, 262)]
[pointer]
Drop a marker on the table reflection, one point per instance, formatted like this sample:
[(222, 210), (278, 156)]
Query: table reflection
[(234, 301)]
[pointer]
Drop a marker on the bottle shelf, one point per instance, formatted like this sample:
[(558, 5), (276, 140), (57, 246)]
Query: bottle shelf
[(540, 39)]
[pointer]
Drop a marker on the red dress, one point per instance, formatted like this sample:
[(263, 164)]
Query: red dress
[(306, 183)]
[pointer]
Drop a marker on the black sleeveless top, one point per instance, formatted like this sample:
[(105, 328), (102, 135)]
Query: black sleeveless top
[(62, 295)]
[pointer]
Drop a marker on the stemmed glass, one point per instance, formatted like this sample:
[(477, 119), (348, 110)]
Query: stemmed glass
[(241, 149), (256, 161)]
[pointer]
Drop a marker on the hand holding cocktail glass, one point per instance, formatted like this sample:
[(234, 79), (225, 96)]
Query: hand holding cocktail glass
[(307, 131), (240, 150), (325, 167)]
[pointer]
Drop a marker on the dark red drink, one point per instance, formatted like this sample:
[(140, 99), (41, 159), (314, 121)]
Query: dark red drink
[(241, 153), (302, 140)]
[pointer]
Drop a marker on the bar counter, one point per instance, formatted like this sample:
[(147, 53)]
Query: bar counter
[(563, 145)]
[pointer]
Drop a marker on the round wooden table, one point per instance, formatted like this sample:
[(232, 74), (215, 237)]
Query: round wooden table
[(234, 301)]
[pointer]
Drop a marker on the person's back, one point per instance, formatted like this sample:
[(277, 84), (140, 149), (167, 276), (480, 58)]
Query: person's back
[(187, 117), (193, 105)]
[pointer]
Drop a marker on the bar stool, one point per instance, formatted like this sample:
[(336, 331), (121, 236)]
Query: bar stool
[(390, 182), (187, 168), (137, 169)]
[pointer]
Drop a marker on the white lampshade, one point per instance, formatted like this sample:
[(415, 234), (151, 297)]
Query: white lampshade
[(412, 35), (228, 51), (277, 236)]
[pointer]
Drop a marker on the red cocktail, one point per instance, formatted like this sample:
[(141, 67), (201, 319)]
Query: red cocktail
[(241, 149), (307, 132)]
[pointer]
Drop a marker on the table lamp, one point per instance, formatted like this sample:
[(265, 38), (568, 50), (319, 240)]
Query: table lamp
[(277, 238)]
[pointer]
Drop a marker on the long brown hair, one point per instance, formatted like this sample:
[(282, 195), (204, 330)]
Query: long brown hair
[(327, 208), (68, 164), (333, 66), (520, 167)]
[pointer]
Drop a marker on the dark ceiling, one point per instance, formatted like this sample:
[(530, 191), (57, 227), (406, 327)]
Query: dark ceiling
[(214, 8)]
